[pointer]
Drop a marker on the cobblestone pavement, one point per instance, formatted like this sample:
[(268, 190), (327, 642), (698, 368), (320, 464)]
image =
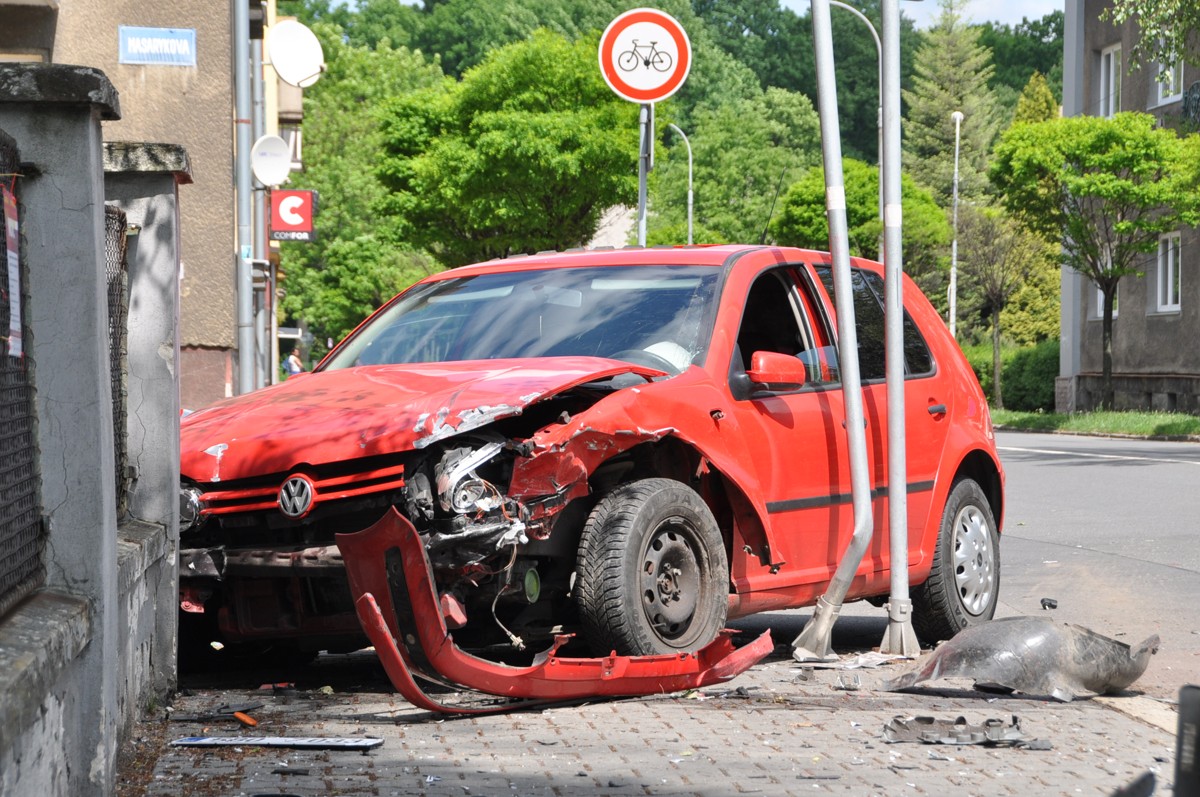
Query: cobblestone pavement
[(776, 730)]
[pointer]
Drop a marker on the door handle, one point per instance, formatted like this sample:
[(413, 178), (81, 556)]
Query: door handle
[(937, 409)]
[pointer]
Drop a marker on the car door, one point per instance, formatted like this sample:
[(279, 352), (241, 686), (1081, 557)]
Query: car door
[(925, 414), (796, 436)]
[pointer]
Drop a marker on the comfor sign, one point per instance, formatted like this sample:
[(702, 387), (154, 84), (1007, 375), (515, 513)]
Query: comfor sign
[(292, 215), (645, 55)]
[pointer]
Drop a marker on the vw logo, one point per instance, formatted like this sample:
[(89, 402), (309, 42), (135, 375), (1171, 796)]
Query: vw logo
[(296, 496)]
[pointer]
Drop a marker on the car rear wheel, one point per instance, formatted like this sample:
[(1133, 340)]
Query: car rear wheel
[(652, 574), (964, 584)]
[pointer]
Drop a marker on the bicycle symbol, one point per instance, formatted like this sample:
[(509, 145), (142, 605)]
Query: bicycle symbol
[(648, 55)]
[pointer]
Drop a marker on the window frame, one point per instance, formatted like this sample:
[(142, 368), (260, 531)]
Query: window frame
[(1169, 90), (1168, 276), (1109, 102)]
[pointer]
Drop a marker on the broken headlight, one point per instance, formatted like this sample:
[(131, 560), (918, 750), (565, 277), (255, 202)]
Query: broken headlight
[(459, 489)]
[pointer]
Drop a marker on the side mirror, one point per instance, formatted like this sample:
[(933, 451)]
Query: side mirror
[(771, 370)]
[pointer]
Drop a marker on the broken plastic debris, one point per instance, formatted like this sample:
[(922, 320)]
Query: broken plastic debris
[(861, 661), (930, 730), (298, 742), (1035, 656)]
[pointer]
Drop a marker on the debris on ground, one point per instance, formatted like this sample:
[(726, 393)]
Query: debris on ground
[(1035, 656), (930, 730), (296, 742), (239, 712)]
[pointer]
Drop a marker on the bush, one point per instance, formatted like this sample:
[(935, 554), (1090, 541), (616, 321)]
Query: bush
[(1028, 374), (1029, 378)]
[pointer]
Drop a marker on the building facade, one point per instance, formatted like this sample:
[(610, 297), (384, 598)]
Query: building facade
[(172, 66), (1156, 364)]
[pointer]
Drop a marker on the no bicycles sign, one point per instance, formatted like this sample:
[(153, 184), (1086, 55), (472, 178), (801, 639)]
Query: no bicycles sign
[(645, 55)]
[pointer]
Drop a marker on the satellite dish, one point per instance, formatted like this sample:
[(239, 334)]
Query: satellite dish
[(271, 160), (296, 53)]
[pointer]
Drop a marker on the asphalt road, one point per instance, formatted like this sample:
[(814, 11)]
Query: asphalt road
[(1110, 529)]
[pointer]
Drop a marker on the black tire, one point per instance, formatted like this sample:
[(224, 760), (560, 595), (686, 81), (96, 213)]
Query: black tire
[(652, 575), (627, 61), (964, 584)]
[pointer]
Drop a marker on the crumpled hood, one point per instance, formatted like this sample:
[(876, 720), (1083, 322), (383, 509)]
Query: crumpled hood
[(334, 416)]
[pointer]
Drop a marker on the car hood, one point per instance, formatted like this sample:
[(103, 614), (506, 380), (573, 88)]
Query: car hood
[(333, 416)]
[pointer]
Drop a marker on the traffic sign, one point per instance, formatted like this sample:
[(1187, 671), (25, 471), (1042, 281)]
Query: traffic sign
[(292, 215), (645, 55)]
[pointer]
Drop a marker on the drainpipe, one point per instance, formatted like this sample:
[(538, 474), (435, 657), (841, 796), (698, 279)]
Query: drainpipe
[(244, 251), (814, 641)]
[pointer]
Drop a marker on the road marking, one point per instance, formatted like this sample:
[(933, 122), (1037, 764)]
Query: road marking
[(1097, 456)]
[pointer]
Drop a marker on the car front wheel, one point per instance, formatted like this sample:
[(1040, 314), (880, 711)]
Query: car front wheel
[(964, 582), (652, 574)]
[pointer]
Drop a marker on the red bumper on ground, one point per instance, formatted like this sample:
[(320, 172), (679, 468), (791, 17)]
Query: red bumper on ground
[(392, 582)]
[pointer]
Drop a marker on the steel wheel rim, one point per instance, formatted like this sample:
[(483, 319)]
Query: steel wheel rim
[(671, 580), (974, 560)]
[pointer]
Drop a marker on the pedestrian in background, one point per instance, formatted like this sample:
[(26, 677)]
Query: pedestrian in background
[(292, 364)]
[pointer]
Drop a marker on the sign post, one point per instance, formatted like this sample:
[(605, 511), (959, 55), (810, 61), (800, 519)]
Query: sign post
[(645, 55)]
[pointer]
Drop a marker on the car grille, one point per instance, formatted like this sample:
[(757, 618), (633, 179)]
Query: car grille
[(328, 487)]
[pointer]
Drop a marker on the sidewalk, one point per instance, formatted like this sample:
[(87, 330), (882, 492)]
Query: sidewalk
[(779, 729)]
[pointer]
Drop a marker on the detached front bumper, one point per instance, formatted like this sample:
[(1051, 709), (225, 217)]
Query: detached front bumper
[(397, 603)]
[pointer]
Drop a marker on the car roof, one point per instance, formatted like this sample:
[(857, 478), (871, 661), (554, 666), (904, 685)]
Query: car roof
[(719, 255)]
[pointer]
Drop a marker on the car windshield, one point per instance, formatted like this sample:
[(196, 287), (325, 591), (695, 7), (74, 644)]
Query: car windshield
[(660, 316)]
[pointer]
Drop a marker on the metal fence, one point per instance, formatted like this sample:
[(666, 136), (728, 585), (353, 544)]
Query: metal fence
[(22, 537), (116, 272)]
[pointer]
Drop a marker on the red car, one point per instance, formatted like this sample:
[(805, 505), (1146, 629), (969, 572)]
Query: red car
[(594, 452)]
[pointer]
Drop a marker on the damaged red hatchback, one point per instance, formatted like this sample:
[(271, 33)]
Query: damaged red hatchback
[(594, 452)]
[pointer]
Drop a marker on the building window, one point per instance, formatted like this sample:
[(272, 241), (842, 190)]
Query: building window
[(1110, 80), (1168, 272), (1169, 84)]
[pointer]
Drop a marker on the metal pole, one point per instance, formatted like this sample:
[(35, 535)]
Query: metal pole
[(900, 639), (261, 373), (879, 109), (957, 116), (687, 144), (244, 248), (814, 640), (645, 150)]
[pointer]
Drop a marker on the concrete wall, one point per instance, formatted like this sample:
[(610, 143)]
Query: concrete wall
[(81, 657), (143, 180)]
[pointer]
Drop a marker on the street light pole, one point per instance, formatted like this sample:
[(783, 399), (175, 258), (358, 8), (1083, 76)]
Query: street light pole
[(957, 116), (687, 144)]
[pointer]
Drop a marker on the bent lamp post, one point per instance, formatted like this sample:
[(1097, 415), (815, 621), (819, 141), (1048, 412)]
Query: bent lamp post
[(814, 641)]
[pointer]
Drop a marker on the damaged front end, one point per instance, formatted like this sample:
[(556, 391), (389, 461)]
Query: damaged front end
[(393, 581), (476, 573)]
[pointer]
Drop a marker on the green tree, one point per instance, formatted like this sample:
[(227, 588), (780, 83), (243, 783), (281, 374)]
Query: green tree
[(349, 270), (522, 155), (744, 153), (1020, 50), (1108, 187), (997, 257), (463, 32), (778, 45), (951, 74), (801, 221), (1167, 29), (1036, 103)]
